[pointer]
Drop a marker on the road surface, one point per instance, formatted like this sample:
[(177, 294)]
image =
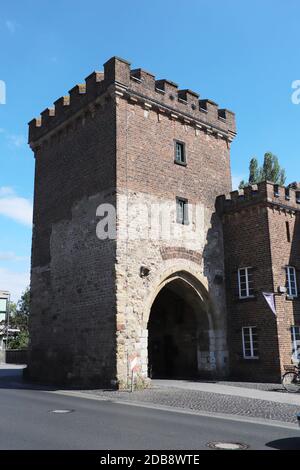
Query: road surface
[(28, 421)]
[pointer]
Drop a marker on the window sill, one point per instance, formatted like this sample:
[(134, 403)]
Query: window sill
[(182, 223), (180, 163), (246, 299), (256, 358), (291, 298)]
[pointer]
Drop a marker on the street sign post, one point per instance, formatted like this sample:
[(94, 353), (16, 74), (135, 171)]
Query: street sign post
[(133, 364)]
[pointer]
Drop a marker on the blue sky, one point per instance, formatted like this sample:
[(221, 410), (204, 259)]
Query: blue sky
[(242, 54)]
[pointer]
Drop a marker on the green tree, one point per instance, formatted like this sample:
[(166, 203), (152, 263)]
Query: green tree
[(19, 315), (269, 171), (23, 305), (253, 171), (12, 309), (20, 341)]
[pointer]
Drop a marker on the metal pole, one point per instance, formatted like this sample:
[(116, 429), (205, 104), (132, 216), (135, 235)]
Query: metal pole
[(7, 322), (132, 380)]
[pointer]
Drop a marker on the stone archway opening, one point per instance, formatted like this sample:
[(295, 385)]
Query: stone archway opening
[(179, 334)]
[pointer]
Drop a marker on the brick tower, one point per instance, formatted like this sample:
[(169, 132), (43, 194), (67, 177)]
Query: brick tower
[(128, 141), (262, 255)]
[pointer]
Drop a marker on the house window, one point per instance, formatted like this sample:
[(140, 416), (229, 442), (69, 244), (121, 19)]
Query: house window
[(180, 153), (276, 190), (295, 337), (245, 277), (291, 282), (288, 233), (250, 342), (182, 211), (287, 194)]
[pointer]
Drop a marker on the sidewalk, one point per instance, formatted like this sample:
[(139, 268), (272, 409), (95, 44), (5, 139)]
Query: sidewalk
[(279, 396)]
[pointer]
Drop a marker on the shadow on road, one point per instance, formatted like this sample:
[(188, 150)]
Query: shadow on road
[(291, 443), (11, 377)]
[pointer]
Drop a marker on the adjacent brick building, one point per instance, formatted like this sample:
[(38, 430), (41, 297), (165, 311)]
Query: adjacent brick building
[(104, 294), (262, 255)]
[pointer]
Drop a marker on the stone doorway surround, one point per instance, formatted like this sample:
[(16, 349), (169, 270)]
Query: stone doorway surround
[(212, 360)]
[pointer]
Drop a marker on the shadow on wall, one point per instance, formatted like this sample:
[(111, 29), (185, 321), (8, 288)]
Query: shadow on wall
[(295, 261), (213, 265), (178, 332), (14, 377)]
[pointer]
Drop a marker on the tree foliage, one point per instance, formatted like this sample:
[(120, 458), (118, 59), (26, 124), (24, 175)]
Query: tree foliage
[(18, 319), (269, 171)]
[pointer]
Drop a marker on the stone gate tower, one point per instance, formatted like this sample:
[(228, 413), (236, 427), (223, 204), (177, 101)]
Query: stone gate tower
[(150, 287)]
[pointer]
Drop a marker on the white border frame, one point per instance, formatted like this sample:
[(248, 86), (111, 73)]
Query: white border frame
[(251, 342)]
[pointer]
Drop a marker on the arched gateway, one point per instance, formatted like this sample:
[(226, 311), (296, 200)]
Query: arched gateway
[(181, 333)]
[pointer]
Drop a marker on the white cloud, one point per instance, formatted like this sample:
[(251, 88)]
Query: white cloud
[(236, 179), (11, 256), (11, 26), (16, 140), (14, 282), (15, 207), (6, 190), (13, 140)]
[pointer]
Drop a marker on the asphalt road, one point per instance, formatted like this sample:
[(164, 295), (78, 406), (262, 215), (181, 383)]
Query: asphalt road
[(27, 422)]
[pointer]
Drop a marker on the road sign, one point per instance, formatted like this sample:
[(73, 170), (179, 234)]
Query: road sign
[(133, 364)]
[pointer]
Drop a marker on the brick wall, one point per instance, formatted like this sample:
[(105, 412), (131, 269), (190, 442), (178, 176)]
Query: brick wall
[(113, 138), (285, 253), (146, 173), (255, 235), (72, 324)]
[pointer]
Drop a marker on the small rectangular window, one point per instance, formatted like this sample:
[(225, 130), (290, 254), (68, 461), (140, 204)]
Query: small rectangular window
[(288, 234), (250, 342), (182, 211), (291, 281), (180, 153), (276, 190), (287, 193), (245, 278), (295, 337), (298, 197)]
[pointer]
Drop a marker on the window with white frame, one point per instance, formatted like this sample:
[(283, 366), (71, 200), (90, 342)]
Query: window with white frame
[(291, 281), (182, 211), (250, 342), (245, 278), (180, 156), (295, 337)]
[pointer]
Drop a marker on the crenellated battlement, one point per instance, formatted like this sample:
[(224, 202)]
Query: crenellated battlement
[(266, 192), (142, 88)]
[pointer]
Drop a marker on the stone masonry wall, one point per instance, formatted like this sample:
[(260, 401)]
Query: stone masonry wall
[(110, 138), (72, 326), (146, 173)]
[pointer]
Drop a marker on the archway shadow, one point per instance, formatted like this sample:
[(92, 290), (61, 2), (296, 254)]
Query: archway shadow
[(178, 329), (290, 443)]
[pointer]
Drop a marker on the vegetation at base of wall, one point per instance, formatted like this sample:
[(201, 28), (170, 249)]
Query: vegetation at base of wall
[(18, 319), (140, 382), (269, 171)]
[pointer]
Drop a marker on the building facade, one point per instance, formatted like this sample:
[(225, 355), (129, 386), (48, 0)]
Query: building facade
[(128, 261), (262, 256)]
